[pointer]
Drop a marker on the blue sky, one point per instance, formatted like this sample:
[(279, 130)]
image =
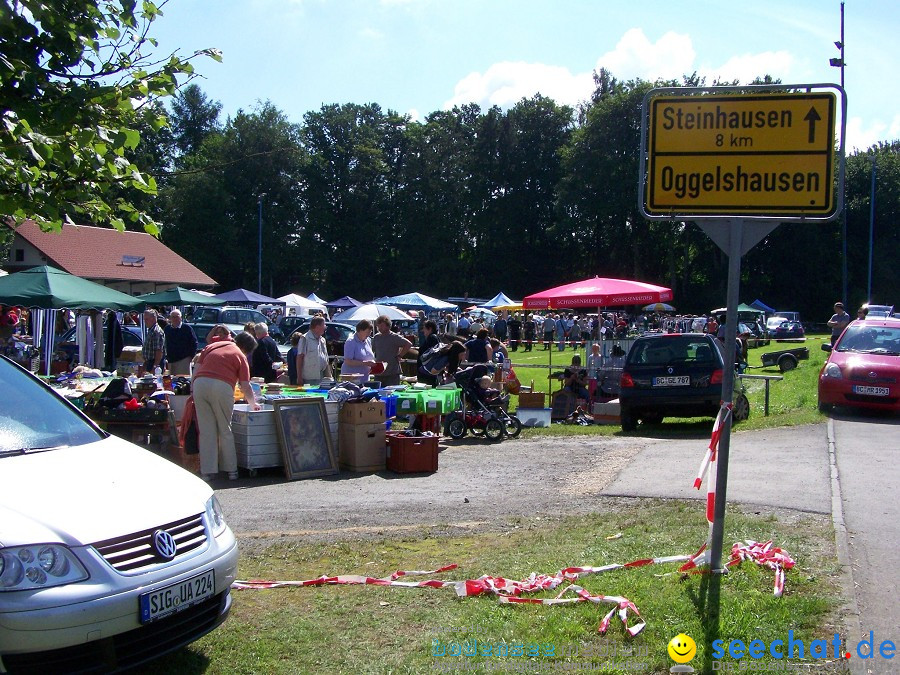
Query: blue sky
[(418, 56)]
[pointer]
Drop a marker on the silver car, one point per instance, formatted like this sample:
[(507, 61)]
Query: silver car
[(109, 555)]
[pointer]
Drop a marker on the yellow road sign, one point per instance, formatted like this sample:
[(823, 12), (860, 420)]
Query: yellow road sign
[(760, 154)]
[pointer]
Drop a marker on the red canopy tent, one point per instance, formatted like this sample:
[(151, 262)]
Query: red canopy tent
[(598, 292)]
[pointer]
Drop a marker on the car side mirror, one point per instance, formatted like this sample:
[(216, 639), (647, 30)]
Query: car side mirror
[(826, 347)]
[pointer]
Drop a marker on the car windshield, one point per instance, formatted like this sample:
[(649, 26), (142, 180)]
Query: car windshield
[(33, 418), (669, 350), (870, 340)]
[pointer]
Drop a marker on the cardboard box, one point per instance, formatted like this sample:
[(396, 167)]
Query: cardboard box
[(535, 400), (361, 447), (371, 412), (412, 454), (607, 413)]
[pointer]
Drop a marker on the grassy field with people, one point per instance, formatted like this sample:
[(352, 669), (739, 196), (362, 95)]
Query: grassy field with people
[(792, 400)]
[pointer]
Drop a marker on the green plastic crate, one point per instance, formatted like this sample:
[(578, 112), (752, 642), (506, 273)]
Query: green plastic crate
[(441, 400), (410, 402)]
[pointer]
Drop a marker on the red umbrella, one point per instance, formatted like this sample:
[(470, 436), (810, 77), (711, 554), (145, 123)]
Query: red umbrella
[(598, 292)]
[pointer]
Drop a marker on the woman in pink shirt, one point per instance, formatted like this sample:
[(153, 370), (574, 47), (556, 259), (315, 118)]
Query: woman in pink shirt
[(219, 367)]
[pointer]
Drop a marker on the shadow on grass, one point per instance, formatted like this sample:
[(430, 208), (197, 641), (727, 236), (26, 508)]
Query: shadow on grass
[(706, 602)]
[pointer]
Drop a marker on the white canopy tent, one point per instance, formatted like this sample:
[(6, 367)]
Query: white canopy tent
[(298, 302)]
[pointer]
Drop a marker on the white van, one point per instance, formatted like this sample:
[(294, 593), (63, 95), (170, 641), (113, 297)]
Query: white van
[(110, 556)]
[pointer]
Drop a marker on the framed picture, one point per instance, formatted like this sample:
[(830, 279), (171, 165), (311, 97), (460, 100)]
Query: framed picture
[(305, 438)]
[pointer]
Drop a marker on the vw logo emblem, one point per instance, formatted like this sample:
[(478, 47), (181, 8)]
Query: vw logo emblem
[(165, 545)]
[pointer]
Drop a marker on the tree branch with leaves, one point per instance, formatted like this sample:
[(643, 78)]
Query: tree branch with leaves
[(77, 80)]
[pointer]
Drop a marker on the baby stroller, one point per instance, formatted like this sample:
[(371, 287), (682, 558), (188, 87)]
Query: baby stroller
[(483, 411)]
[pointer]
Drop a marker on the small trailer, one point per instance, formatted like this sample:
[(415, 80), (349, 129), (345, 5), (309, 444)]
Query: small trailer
[(785, 359)]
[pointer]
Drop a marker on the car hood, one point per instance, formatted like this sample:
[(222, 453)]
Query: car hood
[(92, 492)]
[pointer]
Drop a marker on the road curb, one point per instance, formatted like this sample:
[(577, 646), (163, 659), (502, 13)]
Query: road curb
[(842, 545)]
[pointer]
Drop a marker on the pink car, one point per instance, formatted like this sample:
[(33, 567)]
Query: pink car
[(863, 369)]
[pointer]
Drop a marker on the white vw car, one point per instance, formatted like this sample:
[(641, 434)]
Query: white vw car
[(109, 555)]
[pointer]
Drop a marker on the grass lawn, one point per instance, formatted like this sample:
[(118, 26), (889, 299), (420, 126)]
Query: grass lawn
[(372, 629), (792, 401)]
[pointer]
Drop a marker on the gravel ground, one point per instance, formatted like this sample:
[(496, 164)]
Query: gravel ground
[(479, 486)]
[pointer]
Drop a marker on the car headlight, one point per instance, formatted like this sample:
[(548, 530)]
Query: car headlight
[(215, 516), (24, 568), (832, 370)]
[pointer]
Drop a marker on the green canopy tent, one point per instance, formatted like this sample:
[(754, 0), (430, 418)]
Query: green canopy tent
[(48, 288), (179, 296), (742, 309), (51, 288)]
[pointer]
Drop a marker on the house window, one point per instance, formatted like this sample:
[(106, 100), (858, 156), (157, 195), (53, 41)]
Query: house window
[(20, 255)]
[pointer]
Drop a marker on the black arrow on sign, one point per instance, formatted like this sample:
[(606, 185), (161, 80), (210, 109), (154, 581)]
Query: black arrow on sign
[(812, 117)]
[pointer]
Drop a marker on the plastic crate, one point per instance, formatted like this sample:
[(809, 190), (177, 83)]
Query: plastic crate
[(439, 401), (412, 454), (390, 404), (410, 402)]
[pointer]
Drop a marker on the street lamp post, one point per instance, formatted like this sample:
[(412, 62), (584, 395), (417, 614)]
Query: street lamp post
[(259, 260), (871, 228), (840, 63)]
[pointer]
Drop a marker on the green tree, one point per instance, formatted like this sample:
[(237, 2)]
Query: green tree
[(214, 197), (193, 118), (77, 80)]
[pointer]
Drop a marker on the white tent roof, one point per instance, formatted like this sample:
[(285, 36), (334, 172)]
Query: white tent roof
[(298, 301)]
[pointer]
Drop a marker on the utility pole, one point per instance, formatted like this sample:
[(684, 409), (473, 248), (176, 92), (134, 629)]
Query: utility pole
[(871, 228), (840, 63), (259, 260)]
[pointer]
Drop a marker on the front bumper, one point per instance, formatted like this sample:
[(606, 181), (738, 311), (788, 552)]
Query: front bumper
[(96, 624)]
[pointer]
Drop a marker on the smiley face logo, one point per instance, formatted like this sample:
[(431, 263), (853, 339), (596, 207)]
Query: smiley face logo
[(682, 648)]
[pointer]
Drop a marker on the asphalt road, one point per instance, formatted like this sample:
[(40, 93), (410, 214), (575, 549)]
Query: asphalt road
[(867, 448)]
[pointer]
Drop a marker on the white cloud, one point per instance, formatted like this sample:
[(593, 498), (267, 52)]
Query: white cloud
[(635, 56), (862, 138), (506, 83), (746, 67)]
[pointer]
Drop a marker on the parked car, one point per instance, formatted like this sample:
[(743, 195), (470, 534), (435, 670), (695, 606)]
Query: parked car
[(336, 334), (131, 337), (233, 317), (863, 367), (673, 375), (288, 325), (879, 311), (752, 334), (790, 316), (110, 555), (787, 330)]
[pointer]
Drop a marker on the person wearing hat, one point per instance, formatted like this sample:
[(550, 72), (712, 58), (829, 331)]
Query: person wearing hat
[(838, 322)]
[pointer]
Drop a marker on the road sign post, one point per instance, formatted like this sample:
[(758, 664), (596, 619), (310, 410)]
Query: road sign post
[(739, 160)]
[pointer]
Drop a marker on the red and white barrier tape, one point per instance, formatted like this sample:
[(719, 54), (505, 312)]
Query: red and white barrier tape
[(776, 559)]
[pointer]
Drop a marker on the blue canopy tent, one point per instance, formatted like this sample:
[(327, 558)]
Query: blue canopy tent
[(499, 300), (760, 305), (316, 298), (241, 296), (343, 303), (417, 301)]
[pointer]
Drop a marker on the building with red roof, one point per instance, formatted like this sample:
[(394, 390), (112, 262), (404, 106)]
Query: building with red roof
[(131, 262)]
